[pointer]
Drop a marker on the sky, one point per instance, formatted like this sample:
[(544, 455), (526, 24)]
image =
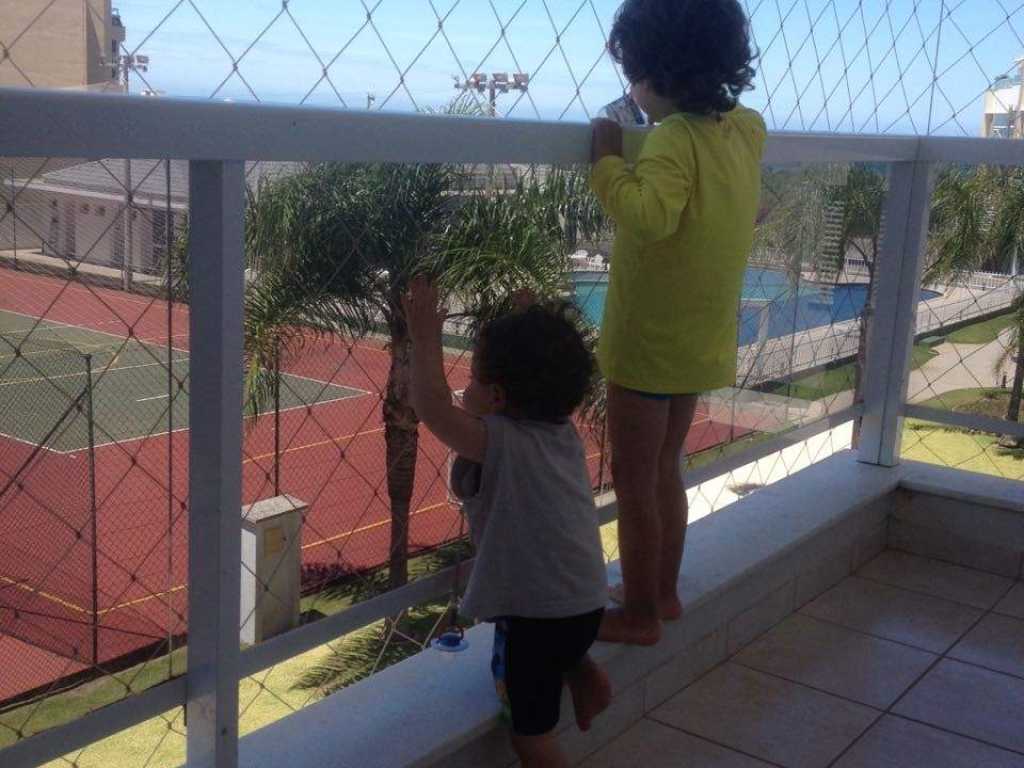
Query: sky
[(826, 65)]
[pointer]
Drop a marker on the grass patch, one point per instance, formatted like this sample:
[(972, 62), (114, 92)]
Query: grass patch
[(832, 381), (983, 332), (33, 717), (990, 402), (263, 699), (952, 446)]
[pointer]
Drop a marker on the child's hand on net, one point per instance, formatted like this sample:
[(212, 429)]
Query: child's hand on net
[(607, 139), (423, 314)]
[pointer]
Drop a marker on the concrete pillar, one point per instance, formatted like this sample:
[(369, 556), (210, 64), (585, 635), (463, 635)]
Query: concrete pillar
[(271, 567)]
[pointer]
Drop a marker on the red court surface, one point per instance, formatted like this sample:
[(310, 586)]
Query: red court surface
[(332, 458)]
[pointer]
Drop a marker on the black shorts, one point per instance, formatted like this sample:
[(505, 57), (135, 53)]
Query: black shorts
[(531, 658)]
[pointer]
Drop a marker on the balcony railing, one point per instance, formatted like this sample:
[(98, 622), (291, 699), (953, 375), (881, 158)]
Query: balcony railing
[(217, 140)]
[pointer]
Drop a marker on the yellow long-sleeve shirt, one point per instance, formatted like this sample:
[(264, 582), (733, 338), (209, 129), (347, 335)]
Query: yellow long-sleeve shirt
[(685, 224)]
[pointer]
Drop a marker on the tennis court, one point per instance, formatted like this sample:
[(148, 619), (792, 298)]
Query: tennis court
[(138, 389), (328, 449)]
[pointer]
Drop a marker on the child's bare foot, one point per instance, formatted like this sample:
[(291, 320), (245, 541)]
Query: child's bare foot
[(617, 627), (591, 692), (669, 608)]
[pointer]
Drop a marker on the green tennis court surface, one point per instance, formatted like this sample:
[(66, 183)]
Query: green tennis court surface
[(44, 373)]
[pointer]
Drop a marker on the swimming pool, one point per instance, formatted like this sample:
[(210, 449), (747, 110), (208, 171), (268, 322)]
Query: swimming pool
[(768, 305)]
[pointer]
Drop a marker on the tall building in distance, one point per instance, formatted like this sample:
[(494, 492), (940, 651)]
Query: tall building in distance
[(1002, 118), (60, 44)]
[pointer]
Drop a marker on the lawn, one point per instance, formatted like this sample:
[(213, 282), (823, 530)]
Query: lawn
[(831, 381), (263, 698), (981, 333), (949, 447), (954, 447), (990, 402)]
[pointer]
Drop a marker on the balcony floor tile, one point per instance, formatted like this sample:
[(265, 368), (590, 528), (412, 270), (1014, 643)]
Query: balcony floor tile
[(997, 642), (925, 622), (774, 719), (837, 660), (952, 582), (897, 743), (1013, 603), (649, 744), (965, 699)]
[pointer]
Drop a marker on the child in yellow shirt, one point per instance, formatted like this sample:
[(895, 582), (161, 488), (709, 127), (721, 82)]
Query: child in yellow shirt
[(684, 228)]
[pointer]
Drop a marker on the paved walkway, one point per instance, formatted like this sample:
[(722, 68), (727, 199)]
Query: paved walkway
[(960, 366), (912, 662)]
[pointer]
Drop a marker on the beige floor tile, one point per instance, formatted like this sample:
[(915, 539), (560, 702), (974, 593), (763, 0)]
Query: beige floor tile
[(768, 717), (971, 701), (926, 622), (997, 643), (897, 743), (1013, 603), (837, 660), (953, 582), (653, 745)]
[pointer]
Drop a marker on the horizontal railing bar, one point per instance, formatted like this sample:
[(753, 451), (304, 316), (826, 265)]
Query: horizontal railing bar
[(789, 147), (971, 151), (965, 420), (46, 123), (88, 729), (37, 123), (772, 445), (317, 633)]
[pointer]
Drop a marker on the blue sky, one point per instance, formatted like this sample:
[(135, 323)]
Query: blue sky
[(886, 87)]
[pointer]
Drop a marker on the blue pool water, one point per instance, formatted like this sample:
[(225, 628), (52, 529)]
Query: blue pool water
[(768, 299)]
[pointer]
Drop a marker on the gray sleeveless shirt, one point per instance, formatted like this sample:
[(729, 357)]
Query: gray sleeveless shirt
[(533, 522)]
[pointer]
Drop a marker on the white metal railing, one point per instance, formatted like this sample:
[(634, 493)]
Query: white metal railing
[(217, 138)]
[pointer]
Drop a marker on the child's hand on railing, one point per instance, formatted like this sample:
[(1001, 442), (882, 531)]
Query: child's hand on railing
[(607, 139)]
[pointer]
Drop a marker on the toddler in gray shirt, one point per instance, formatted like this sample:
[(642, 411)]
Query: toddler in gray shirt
[(521, 474)]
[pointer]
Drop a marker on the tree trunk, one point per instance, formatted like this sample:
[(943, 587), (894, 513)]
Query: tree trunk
[(862, 353), (858, 372), (401, 437), (1013, 409)]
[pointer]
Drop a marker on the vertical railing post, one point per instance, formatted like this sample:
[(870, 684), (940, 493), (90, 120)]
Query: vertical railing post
[(216, 279), (897, 292), (93, 510)]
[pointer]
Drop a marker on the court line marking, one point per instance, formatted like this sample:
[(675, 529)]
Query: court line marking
[(58, 323), (164, 433), (45, 595), (319, 443), (321, 542), (103, 371), (356, 393), (180, 587)]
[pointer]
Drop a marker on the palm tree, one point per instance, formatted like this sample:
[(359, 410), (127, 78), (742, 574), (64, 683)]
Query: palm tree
[(333, 247), (818, 219), (978, 224), (860, 204)]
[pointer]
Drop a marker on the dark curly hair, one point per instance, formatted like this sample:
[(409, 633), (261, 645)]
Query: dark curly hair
[(695, 52), (540, 358)]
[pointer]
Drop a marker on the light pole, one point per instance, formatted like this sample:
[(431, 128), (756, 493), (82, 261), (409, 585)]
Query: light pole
[(126, 63), (497, 83)]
